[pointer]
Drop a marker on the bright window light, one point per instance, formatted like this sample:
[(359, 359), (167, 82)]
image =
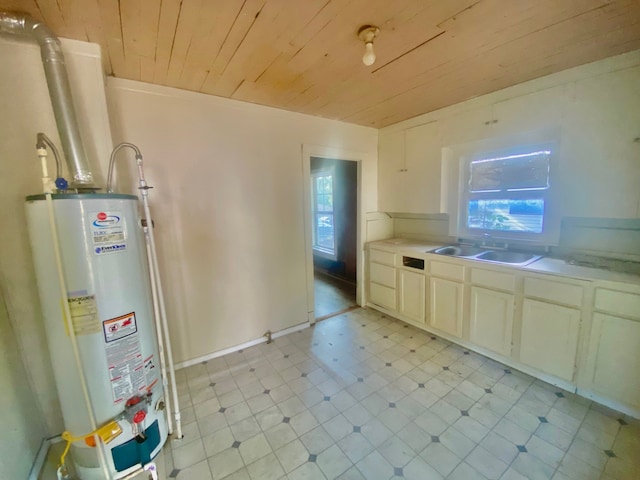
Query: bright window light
[(324, 238), (507, 195), (507, 215)]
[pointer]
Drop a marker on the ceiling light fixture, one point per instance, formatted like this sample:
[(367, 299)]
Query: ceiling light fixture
[(367, 33)]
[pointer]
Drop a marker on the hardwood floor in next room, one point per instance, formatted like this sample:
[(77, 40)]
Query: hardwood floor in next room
[(332, 295)]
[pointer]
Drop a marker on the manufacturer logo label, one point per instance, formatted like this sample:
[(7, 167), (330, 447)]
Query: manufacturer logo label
[(111, 248), (103, 220)]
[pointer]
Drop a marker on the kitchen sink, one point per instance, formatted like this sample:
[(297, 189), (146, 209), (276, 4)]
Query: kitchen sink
[(484, 254), (459, 250), (508, 256)]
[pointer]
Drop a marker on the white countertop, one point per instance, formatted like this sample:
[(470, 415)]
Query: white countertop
[(546, 265)]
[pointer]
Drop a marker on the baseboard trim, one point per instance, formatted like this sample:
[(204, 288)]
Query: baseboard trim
[(41, 456), (242, 346), (609, 403)]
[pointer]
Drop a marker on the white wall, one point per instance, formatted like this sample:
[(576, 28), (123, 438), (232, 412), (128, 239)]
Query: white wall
[(21, 417), (229, 208), (26, 110)]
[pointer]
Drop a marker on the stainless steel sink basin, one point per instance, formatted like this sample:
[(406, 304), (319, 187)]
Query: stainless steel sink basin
[(459, 250), (484, 254), (507, 256)]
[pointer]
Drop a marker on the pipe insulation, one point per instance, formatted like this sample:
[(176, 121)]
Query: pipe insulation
[(59, 91)]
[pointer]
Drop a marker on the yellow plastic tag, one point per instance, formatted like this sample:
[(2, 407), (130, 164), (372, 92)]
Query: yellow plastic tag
[(107, 433)]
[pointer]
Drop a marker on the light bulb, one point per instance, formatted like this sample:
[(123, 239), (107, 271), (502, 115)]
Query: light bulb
[(369, 55)]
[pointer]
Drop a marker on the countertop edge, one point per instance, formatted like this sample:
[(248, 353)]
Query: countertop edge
[(545, 265)]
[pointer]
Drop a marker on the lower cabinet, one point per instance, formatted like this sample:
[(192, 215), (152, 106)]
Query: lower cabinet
[(446, 306), (491, 321), (549, 339), (543, 332), (614, 348), (383, 296), (382, 279), (411, 295)]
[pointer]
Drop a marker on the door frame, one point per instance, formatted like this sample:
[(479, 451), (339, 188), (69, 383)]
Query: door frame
[(333, 153)]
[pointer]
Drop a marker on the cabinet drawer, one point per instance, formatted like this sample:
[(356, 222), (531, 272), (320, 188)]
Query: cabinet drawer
[(382, 274), (553, 291), (497, 280), (622, 303), (383, 296), (447, 270), (380, 256)]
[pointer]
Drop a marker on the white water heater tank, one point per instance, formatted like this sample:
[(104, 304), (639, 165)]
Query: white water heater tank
[(107, 289)]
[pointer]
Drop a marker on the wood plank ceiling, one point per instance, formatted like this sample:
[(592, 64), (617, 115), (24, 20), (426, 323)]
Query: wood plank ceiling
[(304, 55)]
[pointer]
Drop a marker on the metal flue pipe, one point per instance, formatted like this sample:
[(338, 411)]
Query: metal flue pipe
[(59, 91)]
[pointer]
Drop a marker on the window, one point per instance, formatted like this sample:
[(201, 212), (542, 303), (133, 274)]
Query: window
[(324, 239), (507, 195)]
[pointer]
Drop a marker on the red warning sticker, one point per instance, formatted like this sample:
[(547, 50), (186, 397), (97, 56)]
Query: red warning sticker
[(119, 327)]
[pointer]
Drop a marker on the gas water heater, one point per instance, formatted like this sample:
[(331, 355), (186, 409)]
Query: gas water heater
[(102, 252), (101, 298)]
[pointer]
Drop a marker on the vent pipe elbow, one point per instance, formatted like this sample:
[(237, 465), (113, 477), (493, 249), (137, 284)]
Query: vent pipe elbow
[(59, 91)]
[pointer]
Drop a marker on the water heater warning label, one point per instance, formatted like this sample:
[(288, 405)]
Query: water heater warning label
[(108, 232), (126, 365), (120, 327)]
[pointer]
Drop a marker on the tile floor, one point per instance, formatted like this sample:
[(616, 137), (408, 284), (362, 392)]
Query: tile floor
[(363, 396)]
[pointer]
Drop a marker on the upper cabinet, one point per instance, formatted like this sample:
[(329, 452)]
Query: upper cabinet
[(409, 170), (589, 115), (412, 175), (467, 126), (539, 110), (602, 134), (514, 117)]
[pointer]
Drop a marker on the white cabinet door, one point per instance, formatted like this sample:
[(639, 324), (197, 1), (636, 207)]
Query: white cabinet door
[(516, 116), (492, 319), (602, 122), (467, 126), (549, 339), (446, 305), (410, 170), (411, 295), (423, 169), (391, 165), (615, 343), (513, 116)]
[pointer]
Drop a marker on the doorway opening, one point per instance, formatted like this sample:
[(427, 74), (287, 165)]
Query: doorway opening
[(334, 234)]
